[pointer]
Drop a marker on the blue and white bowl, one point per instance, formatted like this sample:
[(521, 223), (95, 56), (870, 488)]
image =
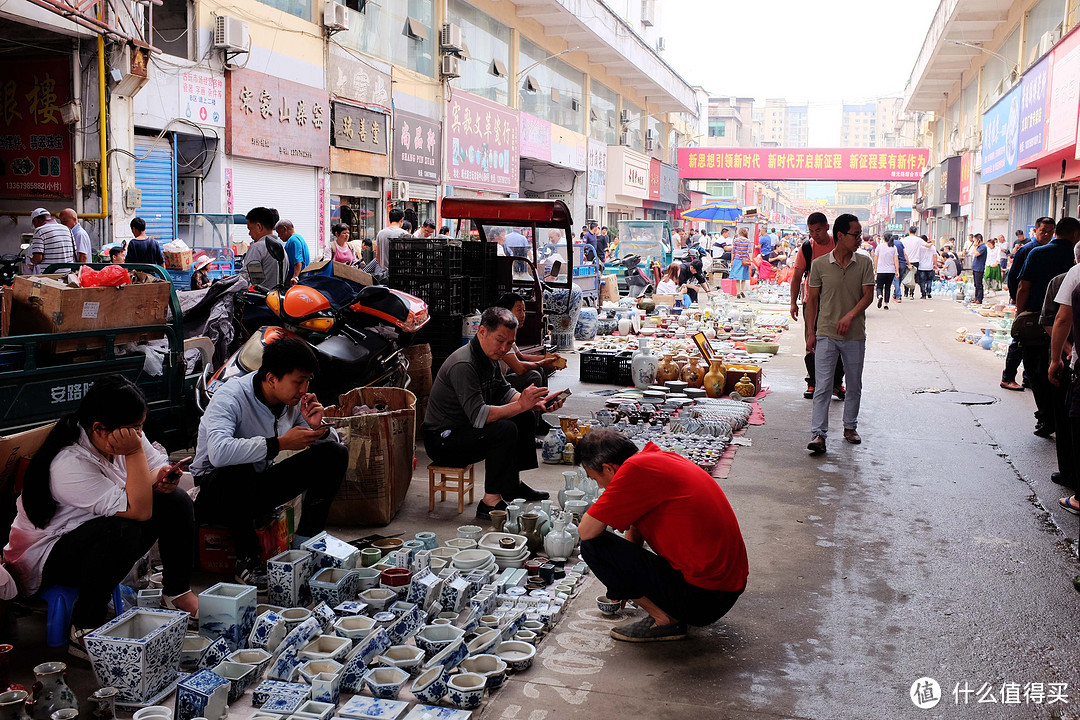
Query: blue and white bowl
[(516, 654), (432, 639), (430, 686), (492, 668), (466, 690), (404, 657)]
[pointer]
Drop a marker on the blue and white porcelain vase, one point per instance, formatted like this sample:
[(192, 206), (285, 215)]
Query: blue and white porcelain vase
[(643, 366), (606, 326), (563, 306), (227, 610), (586, 324), (51, 691), (289, 573), (552, 449)]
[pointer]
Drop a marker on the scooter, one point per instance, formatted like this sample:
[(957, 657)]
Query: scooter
[(356, 332), (637, 282)]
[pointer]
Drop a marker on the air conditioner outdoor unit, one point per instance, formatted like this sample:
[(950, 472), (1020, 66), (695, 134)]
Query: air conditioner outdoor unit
[(335, 16), (650, 140), (451, 67), (450, 37), (661, 44), (624, 139), (230, 34), (648, 12), (624, 116), (399, 191)]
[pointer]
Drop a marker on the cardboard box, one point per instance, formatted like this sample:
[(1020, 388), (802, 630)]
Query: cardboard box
[(46, 304), (381, 446), (178, 260), (341, 270), (668, 300), (609, 288), (735, 373)]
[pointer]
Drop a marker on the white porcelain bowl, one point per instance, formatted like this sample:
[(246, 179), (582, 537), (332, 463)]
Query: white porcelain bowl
[(470, 559)]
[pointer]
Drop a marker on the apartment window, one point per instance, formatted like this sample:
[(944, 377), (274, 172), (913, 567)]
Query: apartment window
[(171, 28), (717, 128), (401, 32), (637, 138), (720, 189), (603, 113), (299, 8), (1043, 17), (484, 72), (549, 74)]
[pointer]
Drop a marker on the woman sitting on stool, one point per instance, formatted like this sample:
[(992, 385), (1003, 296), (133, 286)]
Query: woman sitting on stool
[(97, 496)]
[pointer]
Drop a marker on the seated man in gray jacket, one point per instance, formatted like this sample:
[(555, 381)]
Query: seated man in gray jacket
[(247, 423)]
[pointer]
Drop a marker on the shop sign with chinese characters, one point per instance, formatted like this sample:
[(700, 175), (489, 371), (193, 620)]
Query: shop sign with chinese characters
[(482, 144), (202, 97), (597, 172), (353, 79), (277, 120), (360, 129), (802, 164), (417, 148), (35, 144)]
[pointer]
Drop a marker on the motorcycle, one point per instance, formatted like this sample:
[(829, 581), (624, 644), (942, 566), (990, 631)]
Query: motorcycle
[(357, 332), (637, 281)]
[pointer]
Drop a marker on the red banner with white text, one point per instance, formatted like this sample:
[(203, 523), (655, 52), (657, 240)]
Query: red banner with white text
[(802, 163)]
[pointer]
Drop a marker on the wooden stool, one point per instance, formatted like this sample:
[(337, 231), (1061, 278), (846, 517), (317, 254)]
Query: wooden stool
[(452, 480)]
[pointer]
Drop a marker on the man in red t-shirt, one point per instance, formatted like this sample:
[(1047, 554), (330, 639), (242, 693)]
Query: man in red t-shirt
[(821, 243), (698, 568)]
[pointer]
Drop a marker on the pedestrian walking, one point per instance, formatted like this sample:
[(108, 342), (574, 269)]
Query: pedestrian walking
[(913, 247), (978, 267), (142, 248), (51, 243), (901, 259), (741, 261), (887, 265), (394, 229), (840, 288), (819, 244), (296, 248)]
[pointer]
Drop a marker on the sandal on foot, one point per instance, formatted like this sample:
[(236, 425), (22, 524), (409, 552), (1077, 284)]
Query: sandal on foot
[(1067, 505)]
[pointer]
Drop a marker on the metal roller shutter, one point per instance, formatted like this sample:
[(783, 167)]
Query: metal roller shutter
[(293, 190), (155, 176), (1026, 208)]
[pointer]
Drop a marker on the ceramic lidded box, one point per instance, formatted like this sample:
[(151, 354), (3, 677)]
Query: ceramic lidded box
[(330, 551), (138, 652), (266, 688), (288, 574), (227, 610), (202, 694)]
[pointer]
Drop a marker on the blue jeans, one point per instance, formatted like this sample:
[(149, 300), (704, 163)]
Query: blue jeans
[(853, 353), (897, 280)]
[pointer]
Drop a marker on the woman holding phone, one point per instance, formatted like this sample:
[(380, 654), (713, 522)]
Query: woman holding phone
[(96, 497)]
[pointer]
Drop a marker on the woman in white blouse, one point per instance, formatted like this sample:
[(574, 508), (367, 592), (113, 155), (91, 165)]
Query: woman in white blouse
[(96, 497)]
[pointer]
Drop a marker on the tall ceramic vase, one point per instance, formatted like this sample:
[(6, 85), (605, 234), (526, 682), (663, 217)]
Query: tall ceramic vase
[(569, 476), (715, 379), (51, 691), (13, 705), (643, 367), (668, 369), (513, 525), (532, 536), (552, 448), (692, 374)]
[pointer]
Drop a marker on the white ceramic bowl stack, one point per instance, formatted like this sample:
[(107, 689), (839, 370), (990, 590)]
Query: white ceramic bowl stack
[(467, 561), (514, 557)]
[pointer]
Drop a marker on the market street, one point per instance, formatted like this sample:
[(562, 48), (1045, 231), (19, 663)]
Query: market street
[(927, 550)]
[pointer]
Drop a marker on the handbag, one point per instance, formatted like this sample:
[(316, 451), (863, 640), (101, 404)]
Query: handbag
[(1026, 329), (909, 279)]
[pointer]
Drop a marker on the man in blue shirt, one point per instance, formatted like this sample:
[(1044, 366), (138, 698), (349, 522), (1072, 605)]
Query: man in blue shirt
[(978, 267), (296, 247), (1042, 265), (767, 242), (1044, 231), (516, 243)]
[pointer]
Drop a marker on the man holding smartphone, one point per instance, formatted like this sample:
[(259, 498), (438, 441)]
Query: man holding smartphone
[(247, 423), (474, 414)]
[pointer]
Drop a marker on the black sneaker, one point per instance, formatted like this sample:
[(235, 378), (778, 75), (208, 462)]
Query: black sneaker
[(483, 510), (524, 491), (252, 571), (646, 630), (809, 394), (879, 301), (839, 392)]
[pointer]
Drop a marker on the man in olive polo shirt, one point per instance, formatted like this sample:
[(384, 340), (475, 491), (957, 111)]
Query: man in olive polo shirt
[(840, 288)]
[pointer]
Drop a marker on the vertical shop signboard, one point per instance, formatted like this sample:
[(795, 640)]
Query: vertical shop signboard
[(597, 172), (35, 143), (1033, 115), (1001, 136), (417, 148), (965, 178)]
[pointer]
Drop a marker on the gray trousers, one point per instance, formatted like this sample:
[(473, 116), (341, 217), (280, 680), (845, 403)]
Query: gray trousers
[(853, 353)]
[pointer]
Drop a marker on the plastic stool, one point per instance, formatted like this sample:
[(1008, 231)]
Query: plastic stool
[(450, 479), (61, 601)]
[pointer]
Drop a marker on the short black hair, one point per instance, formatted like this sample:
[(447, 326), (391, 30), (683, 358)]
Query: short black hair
[(444, 230), (118, 250), (337, 228), (817, 218), (406, 226), (603, 447), (978, 236), (912, 230), (497, 317), (508, 300), (366, 242), (1068, 227), (1020, 233), (267, 217), (396, 215), (285, 355), (429, 224), (843, 223), (138, 224), (593, 224), (1046, 221)]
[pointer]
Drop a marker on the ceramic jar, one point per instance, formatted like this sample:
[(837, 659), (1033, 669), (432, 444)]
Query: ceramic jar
[(568, 454), (551, 450), (532, 537), (138, 653), (498, 520), (586, 324), (745, 387), (643, 366), (227, 610), (667, 369), (624, 326), (51, 691), (288, 574), (570, 478), (13, 705), (559, 543), (692, 374), (513, 523), (103, 703), (714, 379)]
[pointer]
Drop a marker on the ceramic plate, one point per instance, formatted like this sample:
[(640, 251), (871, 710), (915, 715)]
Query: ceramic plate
[(490, 542), (372, 708), (434, 712)]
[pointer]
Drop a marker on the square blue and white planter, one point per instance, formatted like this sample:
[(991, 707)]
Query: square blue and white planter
[(282, 705), (202, 694), (325, 615), (361, 707), (266, 688), (330, 551), (326, 688), (138, 653), (334, 586), (366, 650), (288, 574), (350, 608), (227, 610)]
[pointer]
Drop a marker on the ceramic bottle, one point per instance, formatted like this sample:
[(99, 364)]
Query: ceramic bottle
[(528, 528), (51, 691), (513, 524), (667, 369), (692, 374), (643, 366), (745, 387), (103, 703), (552, 447), (559, 543), (568, 454), (13, 705), (570, 477), (543, 511), (715, 379)]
